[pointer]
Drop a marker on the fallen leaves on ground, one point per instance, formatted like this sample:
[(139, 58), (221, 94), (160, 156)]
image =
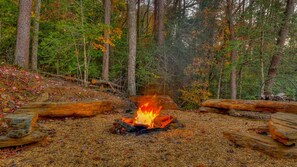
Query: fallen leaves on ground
[(88, 142), (17, 87)]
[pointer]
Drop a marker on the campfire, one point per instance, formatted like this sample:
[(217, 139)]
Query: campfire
[(146, 118)]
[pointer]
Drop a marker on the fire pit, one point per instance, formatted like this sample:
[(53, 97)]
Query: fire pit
[(146, 119)]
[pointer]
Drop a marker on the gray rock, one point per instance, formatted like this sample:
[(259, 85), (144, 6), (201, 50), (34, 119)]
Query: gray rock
[(20, 124)]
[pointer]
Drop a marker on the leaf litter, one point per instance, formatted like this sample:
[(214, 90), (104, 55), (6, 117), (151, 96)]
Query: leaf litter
[(88, 141)]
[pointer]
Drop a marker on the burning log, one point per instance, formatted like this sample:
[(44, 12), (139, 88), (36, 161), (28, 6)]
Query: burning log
[(124, 125), (252, 105), (146, 119), (127, 126)]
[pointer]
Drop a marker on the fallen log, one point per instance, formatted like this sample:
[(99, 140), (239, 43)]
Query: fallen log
[(252, 105), (97, 82), (63, 109), (18, 125), (212, 110), (249, 114), (103, 82), (37, 135), (237, 113), (67, 78), (283, 128), (260, 130), (262, 143)]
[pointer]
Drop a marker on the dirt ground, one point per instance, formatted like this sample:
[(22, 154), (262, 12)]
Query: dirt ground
[(88, 142)]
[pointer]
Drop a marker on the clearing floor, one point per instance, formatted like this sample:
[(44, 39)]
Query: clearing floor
[(88, 142)]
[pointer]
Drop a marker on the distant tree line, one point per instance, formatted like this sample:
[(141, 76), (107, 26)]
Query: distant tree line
[(189, 49)]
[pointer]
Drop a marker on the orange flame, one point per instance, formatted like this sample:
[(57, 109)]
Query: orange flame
[(146, 114)]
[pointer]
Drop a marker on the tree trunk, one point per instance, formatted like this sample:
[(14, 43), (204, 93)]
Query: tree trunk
[(23, 34), (84, 45), (220, 79), (138, 21), (160, 33), (262, 64), (105, 66), (0, 32), (148, 15), (132, 46), (280, 46), (35, 35), (156, 2), (233, 52)]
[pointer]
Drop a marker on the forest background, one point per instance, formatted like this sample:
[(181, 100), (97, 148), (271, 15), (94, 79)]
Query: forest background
[(191, 50)]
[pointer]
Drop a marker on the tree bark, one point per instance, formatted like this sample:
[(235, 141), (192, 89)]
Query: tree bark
[(233, 52), (147, 16), (262, 64), (0, 31), (105, 66), (138, 20), (160, 40), (23, 34), (84, 45), (280, 46), (156, 2), (132, 37), (34, 57), (160, 33), (220, 79)]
